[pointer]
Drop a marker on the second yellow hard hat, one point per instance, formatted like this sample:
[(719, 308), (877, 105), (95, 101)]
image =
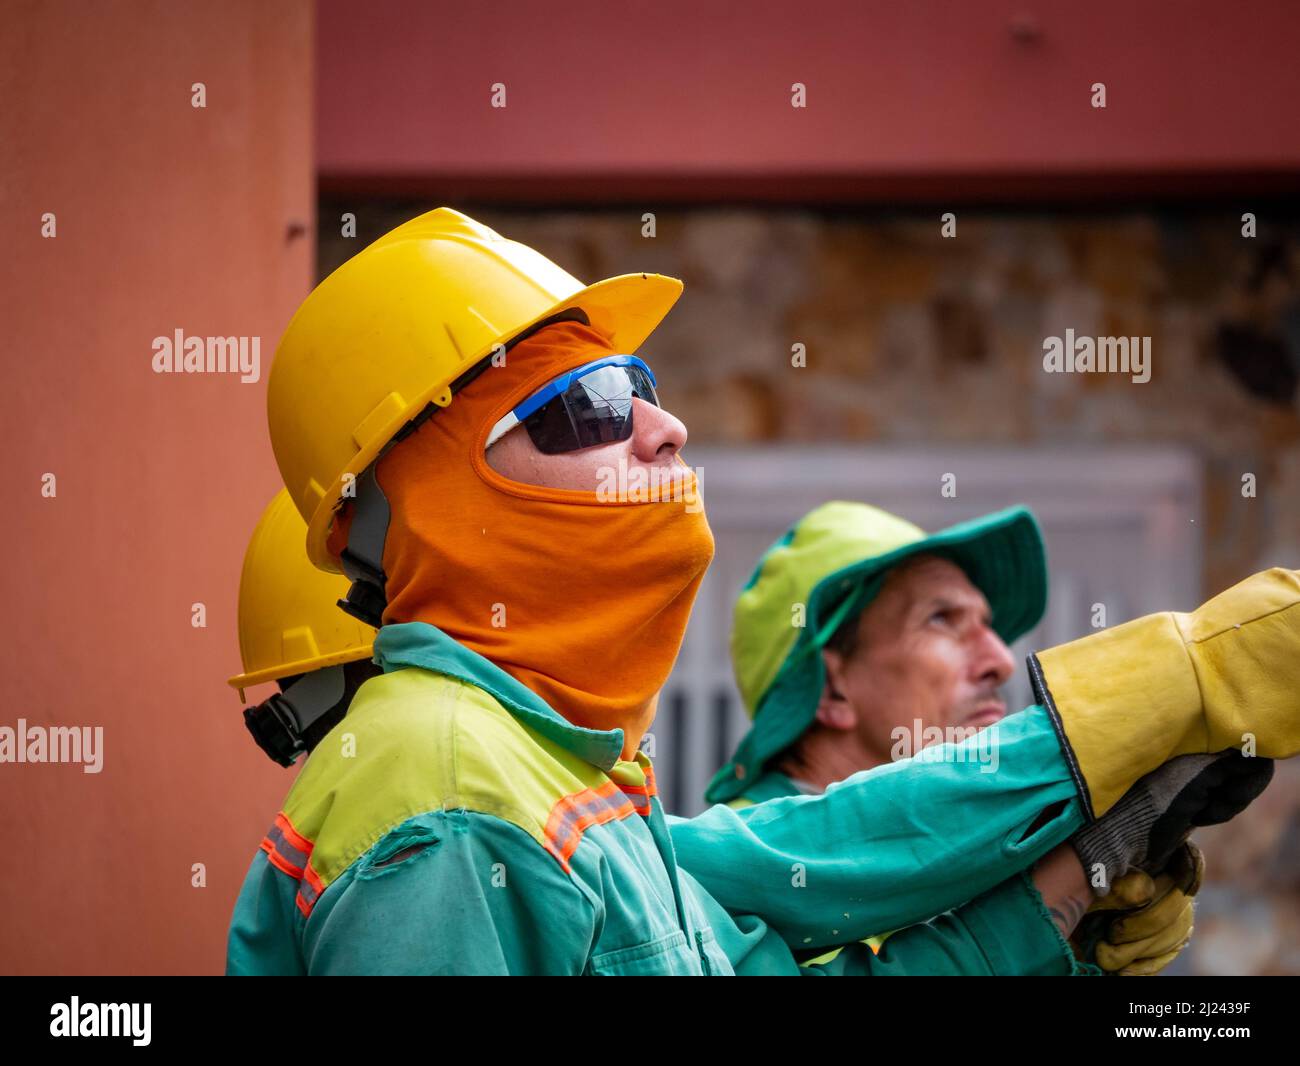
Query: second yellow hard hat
[(289, 621)]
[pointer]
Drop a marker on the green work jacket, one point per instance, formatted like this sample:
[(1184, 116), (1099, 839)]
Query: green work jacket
[(453, 822)]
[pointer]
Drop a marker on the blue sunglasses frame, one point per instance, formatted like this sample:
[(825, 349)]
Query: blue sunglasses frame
[(557, 387)]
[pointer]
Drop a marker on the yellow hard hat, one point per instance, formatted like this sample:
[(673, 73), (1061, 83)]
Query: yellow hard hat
[(288, 619), (393, 328)]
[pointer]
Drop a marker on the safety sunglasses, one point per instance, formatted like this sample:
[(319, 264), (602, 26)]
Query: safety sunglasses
[(589, 405)]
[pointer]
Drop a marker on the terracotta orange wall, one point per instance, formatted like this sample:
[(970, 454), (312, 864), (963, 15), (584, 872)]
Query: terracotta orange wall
[(686, 100), (167, 217)]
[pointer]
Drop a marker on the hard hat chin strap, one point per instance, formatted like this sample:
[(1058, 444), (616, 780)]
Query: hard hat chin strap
[(363, 558), (279, 723)]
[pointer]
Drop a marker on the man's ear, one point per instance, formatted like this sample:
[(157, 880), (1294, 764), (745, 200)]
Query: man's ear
[(833, 710)]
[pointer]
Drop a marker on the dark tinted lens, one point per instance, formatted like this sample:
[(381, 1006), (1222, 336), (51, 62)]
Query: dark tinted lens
[(596, 409), (550, 428), (641, 386), (600, 405)]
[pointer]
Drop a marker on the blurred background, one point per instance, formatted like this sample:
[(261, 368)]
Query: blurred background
[(326, 124)]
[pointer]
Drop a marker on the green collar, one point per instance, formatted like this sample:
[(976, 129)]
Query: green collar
[(429, 648)]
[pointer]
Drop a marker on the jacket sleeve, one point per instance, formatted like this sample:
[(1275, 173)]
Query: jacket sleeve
[(1003, 933), (451, 892), (1007, 931), (893, 846)]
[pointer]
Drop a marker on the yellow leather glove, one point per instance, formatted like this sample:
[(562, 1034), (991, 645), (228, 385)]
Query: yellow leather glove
[(1143, 923), (1128, 699)]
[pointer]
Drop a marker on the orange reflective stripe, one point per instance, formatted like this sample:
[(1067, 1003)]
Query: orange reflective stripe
[(290, 853), (286, 849), (572, 815), (309, 890), (640, 794), (294, 837), (640, 802)]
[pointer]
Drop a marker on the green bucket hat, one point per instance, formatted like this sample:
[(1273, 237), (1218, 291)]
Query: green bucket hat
[(831, 563)]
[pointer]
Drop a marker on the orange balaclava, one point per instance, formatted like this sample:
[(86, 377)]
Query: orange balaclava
[(583, 601)]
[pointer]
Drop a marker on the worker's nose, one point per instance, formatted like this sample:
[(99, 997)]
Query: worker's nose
[(657, 435), (993, 662)]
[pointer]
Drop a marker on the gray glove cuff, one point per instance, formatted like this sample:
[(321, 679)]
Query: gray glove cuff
[(1117, 842), (1121, 839)]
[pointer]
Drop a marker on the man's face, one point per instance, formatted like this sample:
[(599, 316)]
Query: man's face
[(924, 651), (656, 439)]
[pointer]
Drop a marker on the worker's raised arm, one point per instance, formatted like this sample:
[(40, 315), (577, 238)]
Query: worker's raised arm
[(892, 846), (1007, 931), (906, 841)]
